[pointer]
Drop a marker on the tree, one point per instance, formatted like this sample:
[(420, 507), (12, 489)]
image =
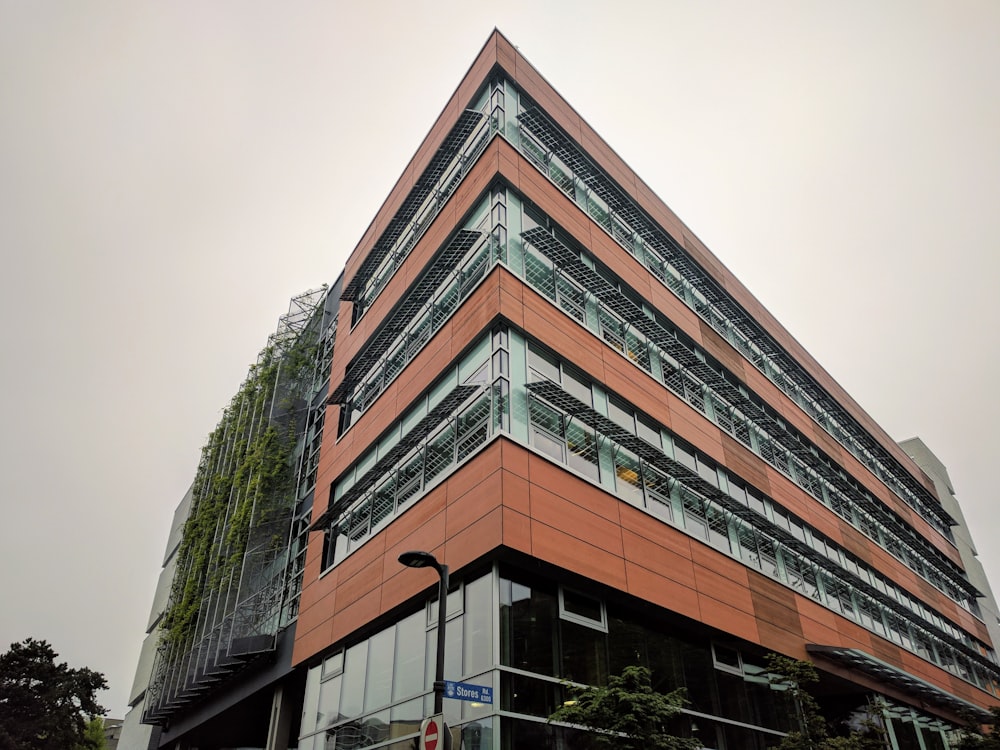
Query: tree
[(44, 705), (974, 738), (93, 736), (793, 675), (627, 714)]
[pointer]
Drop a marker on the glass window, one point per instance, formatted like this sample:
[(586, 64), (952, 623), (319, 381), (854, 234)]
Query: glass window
[(584, 654), (577, 386), (405, 718), (582, 608), (657, 487), (708, 472), (546, 429), (718, 528), (747, 537), (333, 665), (528, 628), (727, 658), (478, 622), (627, 644), (538, 272), (628, 475), (694, 514), (648, 431), (473, 427), (328, 710), (355, 666), (685, 455), (582, 445), (408, 677), (541, 365), (440, 452), (621, 414)]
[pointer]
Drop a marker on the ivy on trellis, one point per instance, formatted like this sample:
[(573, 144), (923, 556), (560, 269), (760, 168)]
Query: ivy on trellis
[(245, 479)]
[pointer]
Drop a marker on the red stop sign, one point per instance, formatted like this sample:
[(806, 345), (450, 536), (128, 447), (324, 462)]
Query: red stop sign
[(430, 737)]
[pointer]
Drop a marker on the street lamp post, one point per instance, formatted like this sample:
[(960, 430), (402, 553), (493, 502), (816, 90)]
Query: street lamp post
[(414, 559)]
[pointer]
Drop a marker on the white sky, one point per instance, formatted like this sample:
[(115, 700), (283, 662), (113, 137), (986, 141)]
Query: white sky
[(171, 173)]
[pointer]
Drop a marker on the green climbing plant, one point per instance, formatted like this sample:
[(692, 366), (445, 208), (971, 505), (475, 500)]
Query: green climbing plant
[(245, 476)]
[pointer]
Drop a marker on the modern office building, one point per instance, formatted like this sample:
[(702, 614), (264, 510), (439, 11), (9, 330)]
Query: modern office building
[(533, 370)]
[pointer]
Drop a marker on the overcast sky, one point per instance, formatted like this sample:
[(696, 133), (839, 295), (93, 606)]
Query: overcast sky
[(172, 172)]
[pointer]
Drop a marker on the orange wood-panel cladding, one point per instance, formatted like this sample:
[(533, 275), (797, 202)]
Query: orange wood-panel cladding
[(509, 496)]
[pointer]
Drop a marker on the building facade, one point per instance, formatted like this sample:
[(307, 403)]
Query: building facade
[(532, 369)]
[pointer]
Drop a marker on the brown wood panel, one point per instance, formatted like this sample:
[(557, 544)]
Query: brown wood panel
[(745, 464), (886, 651), (659, 532), (727, 618), (506, 53), (475, 540), (309, 642), (475, 503), (825, 442), (621, 262), (421, 526), (683, 317), (721, 578), (356, 615), (722, 350), (312, 594), (854, 636), (702, 256), (694, 427), (515, 459), (855, 542), (664, 592), (568, 551), (634, 384), (664, 561), (554, 491), (515, 490), (354, 587), (575, 520), (777, 614), (650, 202), (609, 159), (532, 82), (516, 530), (819, 624), (789, 495)]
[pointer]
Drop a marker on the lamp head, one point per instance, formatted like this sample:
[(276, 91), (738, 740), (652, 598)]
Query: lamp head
[(416, 559)]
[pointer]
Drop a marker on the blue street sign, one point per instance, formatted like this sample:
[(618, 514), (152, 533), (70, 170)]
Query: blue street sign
[(463, 691)]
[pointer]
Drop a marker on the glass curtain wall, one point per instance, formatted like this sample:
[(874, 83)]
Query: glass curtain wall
[(525, 636)]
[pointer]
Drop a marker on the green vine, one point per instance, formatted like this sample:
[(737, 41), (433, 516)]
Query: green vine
[(245, 479)]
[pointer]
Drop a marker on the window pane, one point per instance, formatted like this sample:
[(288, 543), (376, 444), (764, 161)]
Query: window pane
[(584, 654), (478, 625), (582, 449), (577, 386), (583, 606), (528, 628), (378, 683), (328, 711), (408, 678), (628, 479), (355, 664)]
